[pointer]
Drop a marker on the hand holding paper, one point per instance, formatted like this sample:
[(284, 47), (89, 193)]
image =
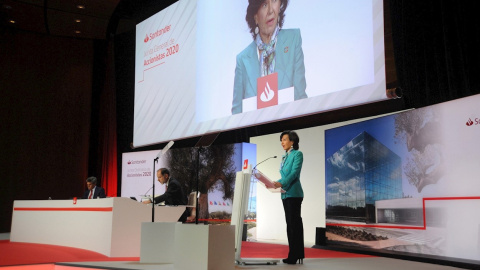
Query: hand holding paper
[(269, 184)]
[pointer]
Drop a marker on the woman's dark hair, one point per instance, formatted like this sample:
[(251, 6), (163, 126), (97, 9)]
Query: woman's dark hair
[(292, 136), (254, 5)]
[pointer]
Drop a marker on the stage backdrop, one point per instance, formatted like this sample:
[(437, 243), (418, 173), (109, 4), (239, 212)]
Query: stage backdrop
[(407, 182), (217, 171), (270, 214)]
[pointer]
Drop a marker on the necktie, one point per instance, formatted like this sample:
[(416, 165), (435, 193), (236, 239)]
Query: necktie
[(91, 193)]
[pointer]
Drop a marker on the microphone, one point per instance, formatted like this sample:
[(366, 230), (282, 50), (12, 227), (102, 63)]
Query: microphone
[(144, 196), (263, 161), (147, 191), (164, 150)]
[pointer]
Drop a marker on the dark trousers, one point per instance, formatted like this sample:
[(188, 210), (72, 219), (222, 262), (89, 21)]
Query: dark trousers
[(293, 211)]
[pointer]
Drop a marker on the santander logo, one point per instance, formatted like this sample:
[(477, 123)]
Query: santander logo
[(157, 33), (473, 122), (267, 91), (267, 94), (130, 162), (469, 122)]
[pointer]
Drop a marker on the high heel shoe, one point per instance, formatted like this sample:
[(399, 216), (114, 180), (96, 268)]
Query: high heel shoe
[(293, 261)]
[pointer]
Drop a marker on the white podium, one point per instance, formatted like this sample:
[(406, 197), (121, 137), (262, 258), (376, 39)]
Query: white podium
[(188, 246), (157, 242), (110, 226), (239, 208), (204, 247)]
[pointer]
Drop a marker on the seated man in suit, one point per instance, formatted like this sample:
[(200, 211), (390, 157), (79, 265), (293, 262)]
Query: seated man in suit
[(173, 195), (93, 191)]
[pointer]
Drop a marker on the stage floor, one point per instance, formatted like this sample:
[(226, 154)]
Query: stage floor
[(331, 263), (372, 263)]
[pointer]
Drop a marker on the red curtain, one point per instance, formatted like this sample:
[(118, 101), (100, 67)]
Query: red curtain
[(108, 128)]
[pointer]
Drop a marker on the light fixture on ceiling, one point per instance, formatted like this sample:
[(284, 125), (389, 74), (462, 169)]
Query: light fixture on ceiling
[(12, 21), (78, 32), (78, 20), (80, 6)]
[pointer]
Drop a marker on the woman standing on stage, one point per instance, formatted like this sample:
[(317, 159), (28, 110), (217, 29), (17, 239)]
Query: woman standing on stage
[(290, 169)]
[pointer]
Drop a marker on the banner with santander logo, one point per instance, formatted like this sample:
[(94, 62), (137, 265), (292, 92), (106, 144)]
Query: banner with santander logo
[(407, 182), (216, 191)]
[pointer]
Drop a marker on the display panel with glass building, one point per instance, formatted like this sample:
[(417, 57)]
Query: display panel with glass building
[(358, 174)]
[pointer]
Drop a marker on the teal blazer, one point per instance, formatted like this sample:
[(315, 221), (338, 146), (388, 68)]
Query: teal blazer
[(290, 173), (289, 65)]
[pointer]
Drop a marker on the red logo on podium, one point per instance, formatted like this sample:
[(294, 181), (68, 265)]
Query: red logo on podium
[(267, 91), (245, 164)]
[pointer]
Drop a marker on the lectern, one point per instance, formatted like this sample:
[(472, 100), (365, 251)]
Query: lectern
[(108, 226), (240, 205)]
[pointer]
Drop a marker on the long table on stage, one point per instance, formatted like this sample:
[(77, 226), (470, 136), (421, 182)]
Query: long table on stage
[(110, 226)]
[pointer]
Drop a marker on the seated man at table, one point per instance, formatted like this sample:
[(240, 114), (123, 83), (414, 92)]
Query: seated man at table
[(173, 195), (93, 192)]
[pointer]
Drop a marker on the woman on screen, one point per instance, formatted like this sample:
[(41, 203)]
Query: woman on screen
[(273, 50), (290, 169)]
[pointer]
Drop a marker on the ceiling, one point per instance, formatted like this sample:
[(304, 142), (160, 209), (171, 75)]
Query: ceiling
[(59, 17)]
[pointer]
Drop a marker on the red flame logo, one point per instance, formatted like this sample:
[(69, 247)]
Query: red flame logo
[(129, 162), (469, 122), (146, 39)]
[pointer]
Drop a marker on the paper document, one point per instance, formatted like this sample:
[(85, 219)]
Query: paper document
[(267, 182)]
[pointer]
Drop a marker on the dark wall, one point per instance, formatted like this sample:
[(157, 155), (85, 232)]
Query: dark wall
[(436, 46), (45, 110)]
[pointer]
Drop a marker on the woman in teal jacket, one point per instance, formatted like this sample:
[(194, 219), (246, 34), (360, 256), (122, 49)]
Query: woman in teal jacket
[(290, 169), (273, 49)]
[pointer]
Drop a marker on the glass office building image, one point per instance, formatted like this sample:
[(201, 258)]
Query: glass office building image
[(360, 173)]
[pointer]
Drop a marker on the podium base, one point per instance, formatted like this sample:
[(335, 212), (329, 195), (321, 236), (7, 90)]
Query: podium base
[(256, 261)]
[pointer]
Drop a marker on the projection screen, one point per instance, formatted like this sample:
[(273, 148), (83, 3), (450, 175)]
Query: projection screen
[(190, 82)]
